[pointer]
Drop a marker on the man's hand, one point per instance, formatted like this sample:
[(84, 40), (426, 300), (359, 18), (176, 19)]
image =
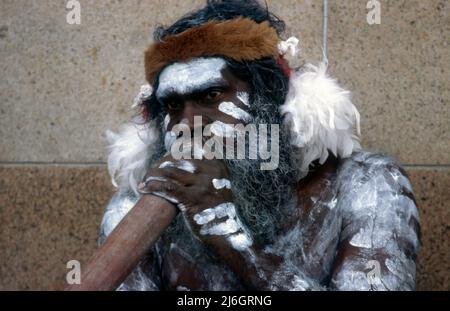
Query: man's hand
[(201, 190)]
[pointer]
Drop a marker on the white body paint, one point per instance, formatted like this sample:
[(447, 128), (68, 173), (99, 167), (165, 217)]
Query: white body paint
[(222, 228), (183, 77), (220, 211), (154, 178), (381, 214), (234, 111), (182, 165), (232, 228), (240, 241)]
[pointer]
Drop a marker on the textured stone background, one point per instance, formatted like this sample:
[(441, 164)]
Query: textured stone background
[(63, 85)]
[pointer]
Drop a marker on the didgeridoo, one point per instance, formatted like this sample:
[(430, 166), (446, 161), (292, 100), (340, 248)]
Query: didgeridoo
[(126, 245)]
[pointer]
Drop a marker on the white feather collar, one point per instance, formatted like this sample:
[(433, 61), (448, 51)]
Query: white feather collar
[(321, 116)]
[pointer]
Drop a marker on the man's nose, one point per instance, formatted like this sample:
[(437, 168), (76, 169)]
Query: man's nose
[(192, 116)]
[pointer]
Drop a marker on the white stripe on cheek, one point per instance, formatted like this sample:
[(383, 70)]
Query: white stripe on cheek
[(244, 98), (219, 128), (234, 111), (166, 121), (221, 183), (169, 139)]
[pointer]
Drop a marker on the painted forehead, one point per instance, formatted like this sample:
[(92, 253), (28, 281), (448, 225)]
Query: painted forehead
[(183, 77)]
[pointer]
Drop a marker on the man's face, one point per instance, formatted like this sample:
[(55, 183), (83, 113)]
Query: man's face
[(203, 87), (206, 87)]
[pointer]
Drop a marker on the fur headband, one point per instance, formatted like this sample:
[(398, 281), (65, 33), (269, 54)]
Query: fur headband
[(241, 39)]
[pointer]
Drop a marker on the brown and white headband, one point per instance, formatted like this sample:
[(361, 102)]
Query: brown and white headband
[(240, 39)]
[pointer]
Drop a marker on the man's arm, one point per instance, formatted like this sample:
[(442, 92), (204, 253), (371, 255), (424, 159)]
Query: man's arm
[(379, 238), (380, 234), (145, 277)]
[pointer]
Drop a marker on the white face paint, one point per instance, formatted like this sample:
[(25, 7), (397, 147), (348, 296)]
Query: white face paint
[(221, 129), (169, 139), (184, 77), (234, 111), (221, 183), (182, 165), (244, 98), (166, 121), (187, 149)]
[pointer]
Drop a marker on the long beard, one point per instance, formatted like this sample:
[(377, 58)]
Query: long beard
[(262, 196)]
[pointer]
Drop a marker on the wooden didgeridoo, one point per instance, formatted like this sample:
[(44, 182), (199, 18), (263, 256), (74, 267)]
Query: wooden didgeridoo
[(126, 245)]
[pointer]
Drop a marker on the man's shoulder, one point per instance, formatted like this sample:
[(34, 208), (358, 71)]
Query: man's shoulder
[(366, 159), (368, 180), (365, 166)]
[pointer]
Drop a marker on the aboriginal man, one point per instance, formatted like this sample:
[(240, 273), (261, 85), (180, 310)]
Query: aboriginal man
[(319, 214)]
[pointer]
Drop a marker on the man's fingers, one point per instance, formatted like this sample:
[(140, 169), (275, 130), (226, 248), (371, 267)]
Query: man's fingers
[(183, 165), (171, 173), (161, 187), (160, 184)]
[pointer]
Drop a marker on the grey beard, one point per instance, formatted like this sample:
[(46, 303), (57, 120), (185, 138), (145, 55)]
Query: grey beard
[(262, 196)]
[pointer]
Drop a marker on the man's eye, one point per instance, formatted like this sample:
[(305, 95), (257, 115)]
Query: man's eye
[(173, 105), (213, 95)]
